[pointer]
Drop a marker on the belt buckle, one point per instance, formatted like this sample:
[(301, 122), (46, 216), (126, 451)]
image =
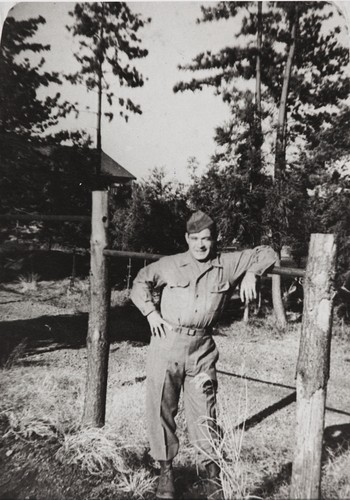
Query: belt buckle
[(191, 332)]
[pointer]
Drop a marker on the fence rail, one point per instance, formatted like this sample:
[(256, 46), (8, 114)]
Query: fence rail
[(283, 271), (42, 217), (313, 361)]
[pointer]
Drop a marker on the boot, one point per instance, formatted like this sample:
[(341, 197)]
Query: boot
[(166, 488), (214, 486)]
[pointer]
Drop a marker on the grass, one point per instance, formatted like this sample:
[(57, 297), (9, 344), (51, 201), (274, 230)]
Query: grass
[(335, 483), (47, 405), (28, 282), (227, 442), (16, 354), (44, 402), (40, 402), (62, 294), (137, 484), (95, 450)]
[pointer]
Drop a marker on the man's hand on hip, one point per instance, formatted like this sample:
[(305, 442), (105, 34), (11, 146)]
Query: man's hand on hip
[(157, 324), (248, 287)]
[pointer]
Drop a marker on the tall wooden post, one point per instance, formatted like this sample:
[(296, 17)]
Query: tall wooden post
[(97, 338), (313, 366)]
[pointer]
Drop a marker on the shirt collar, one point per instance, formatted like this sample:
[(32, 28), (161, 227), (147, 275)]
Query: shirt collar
[(187, 259)]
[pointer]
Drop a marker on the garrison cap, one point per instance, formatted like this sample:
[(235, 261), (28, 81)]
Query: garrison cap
[(199, 221)]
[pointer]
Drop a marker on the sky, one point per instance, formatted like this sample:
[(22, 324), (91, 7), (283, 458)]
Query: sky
[(173, 127)]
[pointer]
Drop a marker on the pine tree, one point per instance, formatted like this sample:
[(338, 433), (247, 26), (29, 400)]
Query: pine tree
[(153, 220), (108, 40), (298, 64), (318, 76)]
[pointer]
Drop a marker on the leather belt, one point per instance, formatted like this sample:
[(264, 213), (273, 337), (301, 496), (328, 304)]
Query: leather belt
[(192, 331)]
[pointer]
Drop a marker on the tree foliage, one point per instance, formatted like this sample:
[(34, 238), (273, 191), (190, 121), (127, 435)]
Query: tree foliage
[(318, 86), (153, 220), (44, 179), (108, 42), (319, 76), (236, 208), (22, 111)]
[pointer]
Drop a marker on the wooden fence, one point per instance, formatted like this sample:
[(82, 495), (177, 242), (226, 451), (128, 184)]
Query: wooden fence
[(314, 353), (313, 361)]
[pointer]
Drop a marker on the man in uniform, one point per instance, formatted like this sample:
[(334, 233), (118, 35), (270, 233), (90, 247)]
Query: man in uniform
[(182, 351)]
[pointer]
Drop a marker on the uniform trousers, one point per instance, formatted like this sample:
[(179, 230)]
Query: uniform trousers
[(182, 360)]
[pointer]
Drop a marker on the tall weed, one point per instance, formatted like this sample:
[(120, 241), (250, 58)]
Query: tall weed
[(41, 403), (227, 443), (16, 354), (137, 484), (96, 450), (28, 282)]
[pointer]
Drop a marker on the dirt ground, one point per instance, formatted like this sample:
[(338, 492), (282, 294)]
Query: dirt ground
[(261, 364)]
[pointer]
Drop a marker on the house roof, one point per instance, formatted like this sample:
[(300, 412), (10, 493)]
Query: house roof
[(113, 168), (61, 153)]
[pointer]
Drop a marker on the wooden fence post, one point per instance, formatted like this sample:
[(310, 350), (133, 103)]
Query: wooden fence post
[(313, 366), (128, 278), (97, 338)]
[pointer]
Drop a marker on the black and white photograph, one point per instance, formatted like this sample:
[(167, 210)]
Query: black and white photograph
[(175, 250)]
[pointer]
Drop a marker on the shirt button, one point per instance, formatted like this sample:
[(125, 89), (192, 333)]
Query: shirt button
[(176, 363)]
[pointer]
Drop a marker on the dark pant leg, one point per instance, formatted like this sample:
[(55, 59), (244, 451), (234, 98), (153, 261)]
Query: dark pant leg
[(164, 382), (200, 398)]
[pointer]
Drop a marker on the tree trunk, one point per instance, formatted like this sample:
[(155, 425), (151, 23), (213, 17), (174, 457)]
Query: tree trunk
[(74, 272), (280, 148), (257, 132), (278, 306), (97, 339), (100, 58), (258, 66), (280, 163), (313, 366), (99, 119)]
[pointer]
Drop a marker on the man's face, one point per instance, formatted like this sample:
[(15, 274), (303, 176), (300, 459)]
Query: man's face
[(200, 244)]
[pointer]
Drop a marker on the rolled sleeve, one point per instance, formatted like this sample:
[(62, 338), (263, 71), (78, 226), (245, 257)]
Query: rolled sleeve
[(147, 279), (263, 258), (257, 260)]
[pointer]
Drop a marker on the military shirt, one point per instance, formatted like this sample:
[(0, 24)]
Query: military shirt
[(193, 293)]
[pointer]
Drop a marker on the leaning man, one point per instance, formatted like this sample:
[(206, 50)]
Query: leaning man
[(182, 353)]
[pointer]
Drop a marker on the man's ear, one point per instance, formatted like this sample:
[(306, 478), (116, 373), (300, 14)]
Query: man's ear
[(187, 237)]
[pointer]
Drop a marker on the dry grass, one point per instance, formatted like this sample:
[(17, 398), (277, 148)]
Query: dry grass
[(126, 414), (16, 354), (46, 402), (28, 282), (40, 402), (137, 484), (66, 296), (238, 477), (336, 477), (97, 451), (228, 449), (120, 298), (76, 297)]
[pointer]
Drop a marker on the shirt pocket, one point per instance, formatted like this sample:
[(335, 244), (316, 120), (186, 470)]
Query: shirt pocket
[(179, 284), (218, 293), (221, 287), (178, 296)]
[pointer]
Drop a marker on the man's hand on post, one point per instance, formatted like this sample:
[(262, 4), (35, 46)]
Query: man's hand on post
[(157, 323), (248, 287)]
